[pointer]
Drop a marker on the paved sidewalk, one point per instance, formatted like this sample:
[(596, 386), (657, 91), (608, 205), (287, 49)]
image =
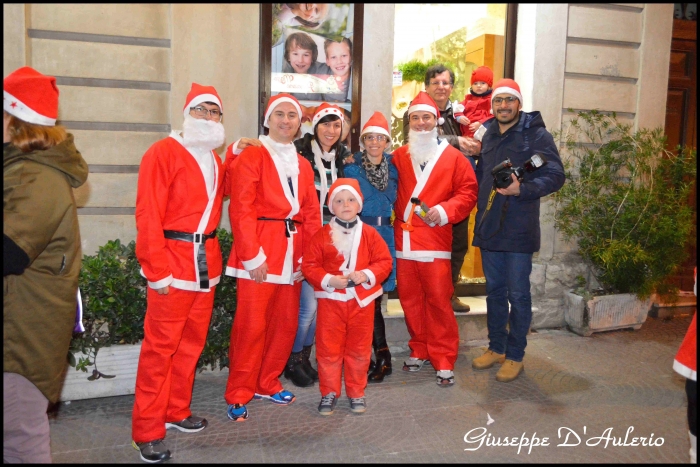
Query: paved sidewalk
[(615, 381)]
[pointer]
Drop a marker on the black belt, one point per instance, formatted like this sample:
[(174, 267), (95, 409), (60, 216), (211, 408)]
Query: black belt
[(201, 252), (376, 221), (289, 223)]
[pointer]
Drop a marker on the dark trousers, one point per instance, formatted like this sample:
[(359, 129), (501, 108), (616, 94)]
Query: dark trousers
[(691, 390), (508, 281), (460, 245)]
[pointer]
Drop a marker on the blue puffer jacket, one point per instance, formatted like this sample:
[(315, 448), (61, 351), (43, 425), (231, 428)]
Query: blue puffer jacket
[(513, 222), (378, 204)]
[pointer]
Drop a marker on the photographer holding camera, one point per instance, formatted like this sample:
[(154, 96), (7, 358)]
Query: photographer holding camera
[(519, 165)]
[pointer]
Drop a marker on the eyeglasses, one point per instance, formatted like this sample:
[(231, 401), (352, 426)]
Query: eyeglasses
[(378, 138), (508, 100), (200, 111), (440, 83)]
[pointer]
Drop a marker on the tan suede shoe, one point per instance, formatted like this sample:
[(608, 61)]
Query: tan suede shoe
[(509, 371), (487, 360)]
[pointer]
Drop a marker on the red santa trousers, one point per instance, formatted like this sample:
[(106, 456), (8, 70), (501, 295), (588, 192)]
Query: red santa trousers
[(343, 341), (425, 290), (175, 331), (261, 338)]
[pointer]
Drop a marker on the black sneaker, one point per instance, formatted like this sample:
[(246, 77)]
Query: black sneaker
[(357, 404), (191, 424), (152, 452), (327, 404)]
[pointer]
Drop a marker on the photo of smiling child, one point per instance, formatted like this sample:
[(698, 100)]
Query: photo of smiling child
[(339, 60)]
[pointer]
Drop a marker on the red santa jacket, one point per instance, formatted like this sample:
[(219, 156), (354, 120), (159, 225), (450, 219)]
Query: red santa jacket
[(686, 361), (369, 254), (258, 190), (476, 109), (172, 195), (448, 183)]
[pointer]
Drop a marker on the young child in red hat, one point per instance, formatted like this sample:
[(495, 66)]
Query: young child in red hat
[(346, 262), (476, 107)]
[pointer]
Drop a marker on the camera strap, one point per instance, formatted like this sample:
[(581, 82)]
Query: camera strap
[(504, 210)]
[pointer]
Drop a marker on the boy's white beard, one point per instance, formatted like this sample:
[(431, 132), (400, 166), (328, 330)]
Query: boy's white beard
[(198, 133), (342, 238), (422, 145), (287, 154)]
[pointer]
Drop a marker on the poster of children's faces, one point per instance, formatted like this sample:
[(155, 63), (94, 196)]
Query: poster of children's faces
[(312, 56)]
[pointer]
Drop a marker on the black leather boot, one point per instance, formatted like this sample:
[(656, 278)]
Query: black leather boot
[(382, 367), (295, 373), (306, 361)]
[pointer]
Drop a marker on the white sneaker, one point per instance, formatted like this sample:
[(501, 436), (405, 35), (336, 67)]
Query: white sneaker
[(445, 378), (413, 364)]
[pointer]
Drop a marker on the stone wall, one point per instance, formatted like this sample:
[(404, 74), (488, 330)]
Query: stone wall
[(124, 71), (610, 57)]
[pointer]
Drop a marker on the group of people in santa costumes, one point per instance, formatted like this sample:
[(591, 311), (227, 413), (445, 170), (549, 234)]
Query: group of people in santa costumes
[(276, 217)]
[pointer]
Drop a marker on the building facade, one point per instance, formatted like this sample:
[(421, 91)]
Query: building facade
[(124, 71)]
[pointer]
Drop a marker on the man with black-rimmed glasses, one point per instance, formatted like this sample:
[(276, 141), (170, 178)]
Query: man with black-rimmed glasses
[(178, 207)]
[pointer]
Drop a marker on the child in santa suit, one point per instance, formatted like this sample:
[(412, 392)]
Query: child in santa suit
[(273, 211), (475, 109), (686, 364), (346, 262)]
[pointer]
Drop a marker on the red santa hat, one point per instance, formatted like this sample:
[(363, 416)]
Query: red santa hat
[(423, 102), (340, 184), (484, 74), (31, 96), (326, 109), (277, 100), (376, 124), (199, 94), (507, 86)]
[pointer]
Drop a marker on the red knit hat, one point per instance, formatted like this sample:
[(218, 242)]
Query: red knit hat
[(327, 109), (507, 86), (31, 96), (423, 102), (340, 184), (199, 94), (483, 73), (277, 100), (376, 124)]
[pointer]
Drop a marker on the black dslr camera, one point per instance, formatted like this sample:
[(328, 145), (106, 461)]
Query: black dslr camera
[(501, 173)]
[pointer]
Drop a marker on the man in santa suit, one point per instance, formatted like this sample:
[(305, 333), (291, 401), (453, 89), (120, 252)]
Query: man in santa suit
[(274, 211), (437, 188), (178, 206), (346, 263)]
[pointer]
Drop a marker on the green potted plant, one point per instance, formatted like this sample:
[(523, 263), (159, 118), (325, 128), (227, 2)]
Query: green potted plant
[(114, 306), (625, 202)]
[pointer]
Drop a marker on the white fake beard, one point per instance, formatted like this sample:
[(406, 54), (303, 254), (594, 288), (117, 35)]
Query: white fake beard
[(288, 155), (422, 145), (198, 133), (341, 238)]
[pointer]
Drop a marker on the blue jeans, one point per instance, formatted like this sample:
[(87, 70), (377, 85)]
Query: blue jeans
[(508, 280), (307, 318)]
